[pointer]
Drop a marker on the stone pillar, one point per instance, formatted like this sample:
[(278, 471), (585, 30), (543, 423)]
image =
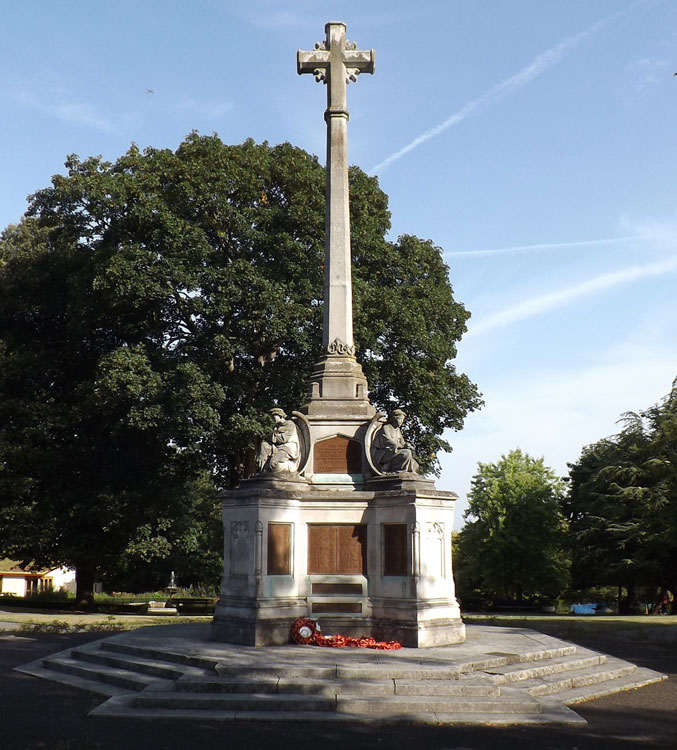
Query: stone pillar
[(338, 386)]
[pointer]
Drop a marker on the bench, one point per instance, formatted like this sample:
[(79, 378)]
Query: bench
[(204, 604)]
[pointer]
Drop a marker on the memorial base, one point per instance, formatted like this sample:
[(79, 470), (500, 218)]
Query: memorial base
[(252, 631), (370, 558)]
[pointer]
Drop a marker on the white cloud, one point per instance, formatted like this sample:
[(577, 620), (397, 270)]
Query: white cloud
[(211, 110), (78, 113), (519, 249), (645, 75), (49, 96), (267, 14), (554, 413), (552, 300), (540, 64), (660, 233)]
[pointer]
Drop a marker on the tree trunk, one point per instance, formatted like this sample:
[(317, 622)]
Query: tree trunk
[(632, 595), (84, 585)]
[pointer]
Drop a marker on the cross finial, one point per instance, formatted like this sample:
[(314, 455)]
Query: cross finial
[(336, 62)]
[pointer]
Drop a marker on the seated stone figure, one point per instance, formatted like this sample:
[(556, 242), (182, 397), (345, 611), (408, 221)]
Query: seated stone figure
[(281, 452), (389, 450)]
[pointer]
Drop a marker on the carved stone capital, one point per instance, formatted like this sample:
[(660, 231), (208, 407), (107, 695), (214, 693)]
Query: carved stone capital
[(338, 348)]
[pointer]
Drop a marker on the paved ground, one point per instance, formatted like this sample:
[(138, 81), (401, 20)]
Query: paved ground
[(36, 714)]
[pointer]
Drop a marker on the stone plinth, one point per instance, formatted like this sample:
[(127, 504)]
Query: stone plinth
[(338, 389), (364, 559)]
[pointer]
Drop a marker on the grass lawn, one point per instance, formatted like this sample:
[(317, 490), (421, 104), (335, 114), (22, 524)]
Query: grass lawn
[(633, 627), (67, 622)]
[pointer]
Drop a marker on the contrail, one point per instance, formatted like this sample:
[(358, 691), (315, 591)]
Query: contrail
[(545, 302), (541, 63), (516, 249)]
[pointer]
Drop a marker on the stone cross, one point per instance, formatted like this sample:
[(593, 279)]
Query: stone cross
[(335, 62)]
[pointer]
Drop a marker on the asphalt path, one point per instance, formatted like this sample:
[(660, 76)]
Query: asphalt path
[(41, 715)]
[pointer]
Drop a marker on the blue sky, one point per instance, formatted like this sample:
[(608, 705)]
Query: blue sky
[(533, 141)]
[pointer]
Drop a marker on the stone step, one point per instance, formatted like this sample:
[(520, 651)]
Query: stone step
[(257, 672), (160, 655), (108, 675), (233, 702), (287, 686), (500, 659), (260, 684), (339, 671), (343, 704), (416, 704), (342, 668), (93, 685), (444, 687), (136, 664), (640, 677), (394, 671), (560, 682), (519, 672), (499, 676), (333, 687), (121, 706)]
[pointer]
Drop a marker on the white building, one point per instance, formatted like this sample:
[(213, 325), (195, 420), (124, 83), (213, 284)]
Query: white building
[(14, 581)]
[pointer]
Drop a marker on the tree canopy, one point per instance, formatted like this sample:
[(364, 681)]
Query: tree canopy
[(152, 311), (512, 544), (622, 503)]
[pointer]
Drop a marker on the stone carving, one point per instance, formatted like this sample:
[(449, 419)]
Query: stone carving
[(303, 431), (390, 453), (321, 73), (435, 549), (282, 451), (340, 348), (239, 529), (258, 547), (436, 530), (416, 548)]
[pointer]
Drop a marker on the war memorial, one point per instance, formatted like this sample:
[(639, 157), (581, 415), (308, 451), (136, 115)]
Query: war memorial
[(338, 524), (338, 527)]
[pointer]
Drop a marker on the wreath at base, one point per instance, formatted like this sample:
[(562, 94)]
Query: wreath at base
[(307, 632)]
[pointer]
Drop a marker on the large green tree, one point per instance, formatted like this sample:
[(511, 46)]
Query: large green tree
[(622, 503), (512, 545), (153, 309)]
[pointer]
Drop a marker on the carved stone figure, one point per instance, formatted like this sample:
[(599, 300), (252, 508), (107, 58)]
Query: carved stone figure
[(282, 451), (389, 450)]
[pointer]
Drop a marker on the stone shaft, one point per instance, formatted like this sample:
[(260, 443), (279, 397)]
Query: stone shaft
[(335, 62)]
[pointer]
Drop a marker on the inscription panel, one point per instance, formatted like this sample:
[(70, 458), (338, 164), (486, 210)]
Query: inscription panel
[(395, 549), (279, 549), (337, 455), (339, 589), (337, 607), (337, 549), (239, 548)]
